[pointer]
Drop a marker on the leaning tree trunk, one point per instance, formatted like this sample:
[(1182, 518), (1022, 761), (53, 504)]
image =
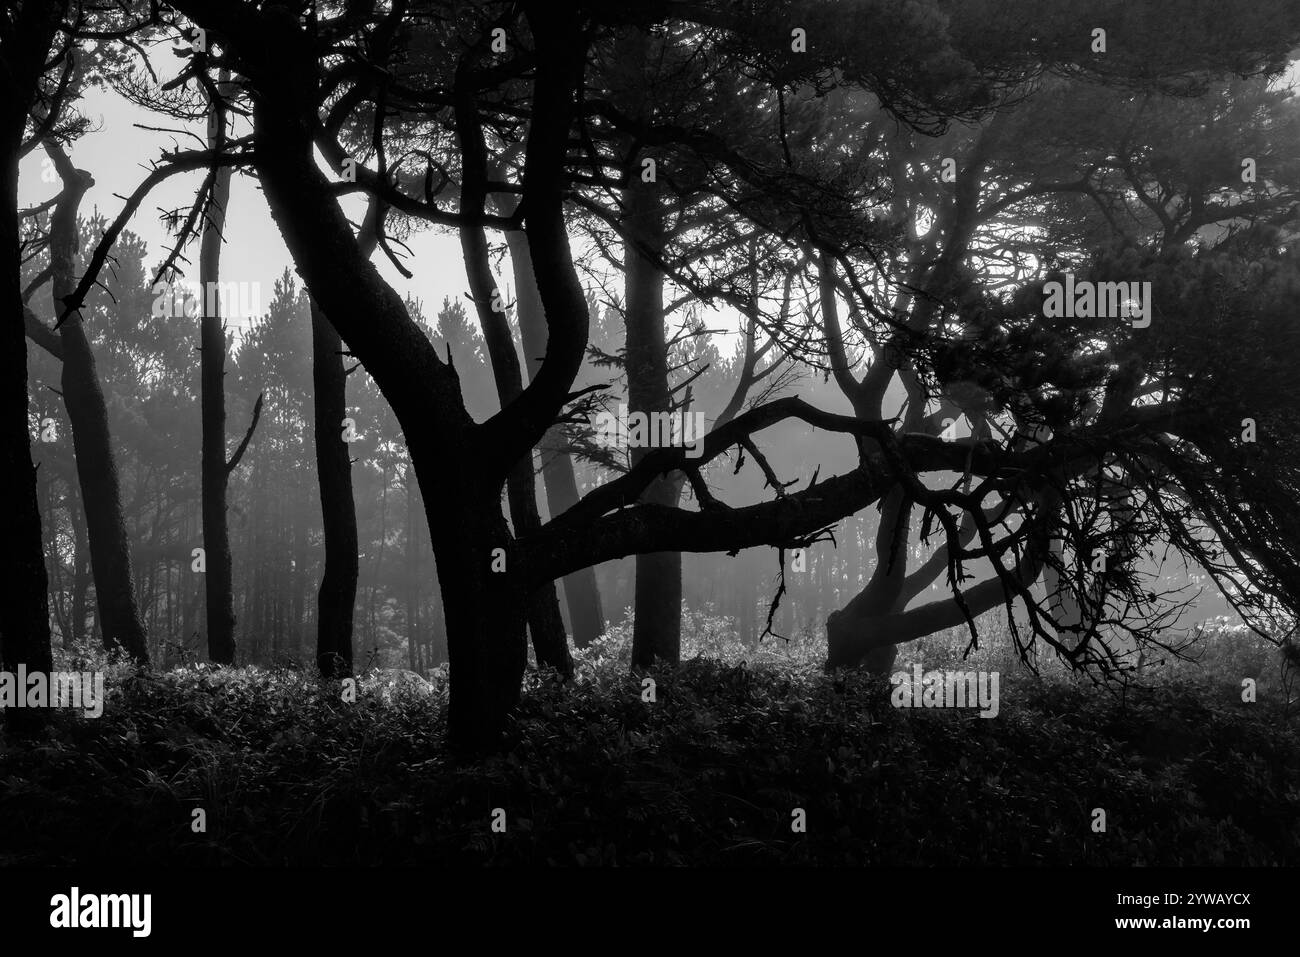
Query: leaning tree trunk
[(657, 626), (581, 593), (215, 473), (24, 600), (856, 633), (101, 491), (883, 594)]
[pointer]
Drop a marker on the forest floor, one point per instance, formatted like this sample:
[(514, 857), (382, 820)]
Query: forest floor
[(711, 773)]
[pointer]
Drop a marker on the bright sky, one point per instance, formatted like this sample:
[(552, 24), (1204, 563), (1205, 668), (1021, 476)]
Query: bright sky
[(118, 154)]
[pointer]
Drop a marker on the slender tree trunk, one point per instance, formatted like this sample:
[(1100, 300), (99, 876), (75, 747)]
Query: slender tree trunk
[(337, 598), (338, 587), (856, 632), (657, 627), (372, 640), (219, 576), (59, 607), (412, 571), (580, 591), (80, 579), (101, 491), (301, 600)]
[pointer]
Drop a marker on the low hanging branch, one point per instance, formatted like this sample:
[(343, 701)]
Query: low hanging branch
[(776, 601), (187, 228), (826, 534)]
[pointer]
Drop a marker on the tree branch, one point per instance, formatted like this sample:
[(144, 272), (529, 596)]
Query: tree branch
[(248, 436)]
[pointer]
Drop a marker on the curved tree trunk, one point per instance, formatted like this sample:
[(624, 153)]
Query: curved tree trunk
[(101, 492), (881, 597), (856, 636), (461, 466), (581, 593), (550, 643), (869, 628), (483, 610)]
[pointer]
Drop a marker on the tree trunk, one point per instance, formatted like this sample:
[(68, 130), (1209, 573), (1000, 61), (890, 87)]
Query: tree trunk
[(24, 600), (882, 594), (62, 619), (101, 492), (461, 475), (412, 572), (80, 577), (657, 627), (485, 612), (550, 643), (377, 575), (858, 632), (1062, 602), (338, 587), (215, 474), (580, 591)]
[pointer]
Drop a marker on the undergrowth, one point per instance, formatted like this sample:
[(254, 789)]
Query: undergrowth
[(286, 772)]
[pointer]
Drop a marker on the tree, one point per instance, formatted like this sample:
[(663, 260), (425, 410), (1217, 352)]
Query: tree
[(1078, 174), (558, 476), (25, 46), (550, 644), (338, 587), (97, 473), (215, 468), (487, 572)]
